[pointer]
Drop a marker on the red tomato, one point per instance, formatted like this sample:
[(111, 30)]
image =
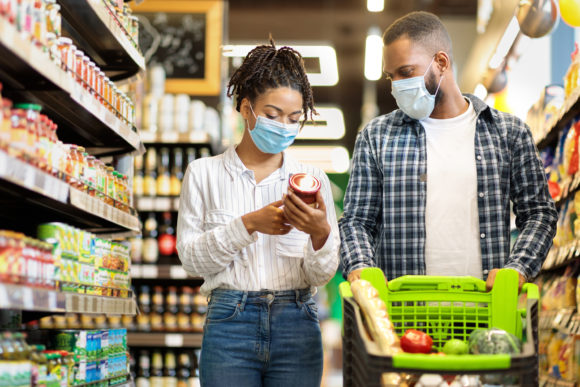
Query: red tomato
[(414, 341)]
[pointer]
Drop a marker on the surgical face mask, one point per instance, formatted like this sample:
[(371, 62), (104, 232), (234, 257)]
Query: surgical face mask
[(412, 96), (272, 136)]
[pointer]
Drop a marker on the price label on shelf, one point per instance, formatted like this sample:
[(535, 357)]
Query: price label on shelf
[(163, 204), (4, 298), (149, 271), (52, 304), (198, 137), (169, 137), (177, 272), (27, 298), (173, 340), (145, 203), (136, 271)]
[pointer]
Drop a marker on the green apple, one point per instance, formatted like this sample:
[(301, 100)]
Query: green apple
[(455, 347)]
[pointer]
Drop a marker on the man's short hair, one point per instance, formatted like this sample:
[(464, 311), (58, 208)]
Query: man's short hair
[(423, 28)]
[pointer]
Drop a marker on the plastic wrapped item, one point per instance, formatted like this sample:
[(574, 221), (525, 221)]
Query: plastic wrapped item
[(493, 341)]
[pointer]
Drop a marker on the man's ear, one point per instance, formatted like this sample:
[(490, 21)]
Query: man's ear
[(443, 61)]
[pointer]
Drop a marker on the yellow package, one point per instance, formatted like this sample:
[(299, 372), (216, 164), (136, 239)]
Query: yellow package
[(566, 357), (554, 350)]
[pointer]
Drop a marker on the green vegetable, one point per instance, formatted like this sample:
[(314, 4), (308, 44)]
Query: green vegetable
[(492, 341), (455, 347)]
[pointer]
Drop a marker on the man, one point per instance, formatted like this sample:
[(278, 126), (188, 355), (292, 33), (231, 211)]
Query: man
[(431, 183)]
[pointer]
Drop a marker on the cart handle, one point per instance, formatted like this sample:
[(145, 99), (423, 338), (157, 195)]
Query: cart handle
[(427, 282)]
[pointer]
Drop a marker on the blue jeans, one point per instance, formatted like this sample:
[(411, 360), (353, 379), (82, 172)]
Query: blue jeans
[(265, 338)]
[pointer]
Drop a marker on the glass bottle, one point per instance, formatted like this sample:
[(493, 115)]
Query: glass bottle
[(170, 370), (138, 181), (150, 246), (191, 156), (143, 318), (171, 309), (156, 370), (166, 240), (111, 194), (185, 309), (18, 134), (157, 309), (163, 179), (176, 172), (144, 370), (184, 370), (90, 173), (150, 179), (5, 126)]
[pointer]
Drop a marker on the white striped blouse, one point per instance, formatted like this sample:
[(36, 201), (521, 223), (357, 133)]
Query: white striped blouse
[(213, 242)]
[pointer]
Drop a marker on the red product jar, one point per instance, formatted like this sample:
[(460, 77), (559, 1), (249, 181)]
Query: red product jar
[(305, 186)]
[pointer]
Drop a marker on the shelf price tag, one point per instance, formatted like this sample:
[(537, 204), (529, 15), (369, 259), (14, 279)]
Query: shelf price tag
[(136, 271), (149, 271), (163, 204), (173, 340), (27, 298), (169, 137), (4, 298), (177, 272)]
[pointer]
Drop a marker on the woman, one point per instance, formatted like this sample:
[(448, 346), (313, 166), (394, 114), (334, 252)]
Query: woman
[(261, 250)]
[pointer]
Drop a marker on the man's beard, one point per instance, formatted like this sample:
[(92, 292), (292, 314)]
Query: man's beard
[(431, 85)]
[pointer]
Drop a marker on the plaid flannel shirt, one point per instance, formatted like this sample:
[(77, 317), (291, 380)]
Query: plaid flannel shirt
[(383, 224)]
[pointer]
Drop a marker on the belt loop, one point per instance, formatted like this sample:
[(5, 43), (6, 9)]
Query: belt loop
[(298, 298), (243, 302)]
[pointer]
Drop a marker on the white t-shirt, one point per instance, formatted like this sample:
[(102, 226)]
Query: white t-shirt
[(452, 245)]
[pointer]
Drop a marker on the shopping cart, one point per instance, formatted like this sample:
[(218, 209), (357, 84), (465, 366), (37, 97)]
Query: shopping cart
[(445, 308)]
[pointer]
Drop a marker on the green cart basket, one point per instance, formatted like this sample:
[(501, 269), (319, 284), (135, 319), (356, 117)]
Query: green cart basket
[(445, 308)]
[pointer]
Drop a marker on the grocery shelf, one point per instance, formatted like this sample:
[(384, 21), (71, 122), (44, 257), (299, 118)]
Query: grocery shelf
[(154, 339), (567, 112), (565, 320), (559, 257), (100, 34), (126, 383), (157, 203), (193, 138), (23, 185), (150, 271), (29, 75), (86, 303), (550, 381), (27, 298)]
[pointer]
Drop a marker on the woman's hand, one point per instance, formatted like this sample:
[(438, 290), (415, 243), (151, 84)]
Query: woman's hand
[(310, 220), (268, 220)]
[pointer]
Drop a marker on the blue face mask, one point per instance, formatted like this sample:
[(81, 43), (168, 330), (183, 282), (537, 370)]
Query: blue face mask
[(272, 136), (412, 96)]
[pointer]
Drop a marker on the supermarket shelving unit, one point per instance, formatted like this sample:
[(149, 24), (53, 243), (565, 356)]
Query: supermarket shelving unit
[(30, 196)]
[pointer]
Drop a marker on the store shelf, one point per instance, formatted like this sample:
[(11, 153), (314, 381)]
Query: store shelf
[(153, 339), (86, 303), (20, 297), (559, 257), (568, 111), (101, 35), (565, 320), (150, 271), (126, 383), (194, 138), (550, 381), (157, 203), (24, 187), (29, 75)]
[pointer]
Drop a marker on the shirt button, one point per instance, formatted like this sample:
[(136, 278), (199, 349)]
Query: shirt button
[(485, 271), (481, 194), (482, 235), (479, 157)]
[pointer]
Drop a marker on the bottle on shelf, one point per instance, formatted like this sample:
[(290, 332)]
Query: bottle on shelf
[(177, 172), (185, 309), (204, 152), (158, 309), (167, 240), (138, 178), (150, 178), (163, 175), (184, 370), (156, 379), (171, 309), (143, 318), (144, 370), (150, 244), (170, 370), (191, 155)]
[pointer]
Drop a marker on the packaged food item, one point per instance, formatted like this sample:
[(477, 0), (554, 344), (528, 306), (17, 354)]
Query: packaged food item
[(305, 187), (375, 311), (493, 341)]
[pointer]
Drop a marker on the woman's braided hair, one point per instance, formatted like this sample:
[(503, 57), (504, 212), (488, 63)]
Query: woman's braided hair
[(266, 67)]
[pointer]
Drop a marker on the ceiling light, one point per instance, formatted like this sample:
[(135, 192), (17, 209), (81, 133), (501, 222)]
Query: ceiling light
[(374, 55), (375, 5), (327, 125), (331, 159), (506, 42), (328, 75)]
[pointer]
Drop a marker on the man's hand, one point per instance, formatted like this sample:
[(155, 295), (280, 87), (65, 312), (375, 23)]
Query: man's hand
[(267, 220), (310, 220), (354, 275), (491, 279)]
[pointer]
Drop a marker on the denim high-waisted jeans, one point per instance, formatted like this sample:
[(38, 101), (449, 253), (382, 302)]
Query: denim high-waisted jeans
[(264, 338)]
